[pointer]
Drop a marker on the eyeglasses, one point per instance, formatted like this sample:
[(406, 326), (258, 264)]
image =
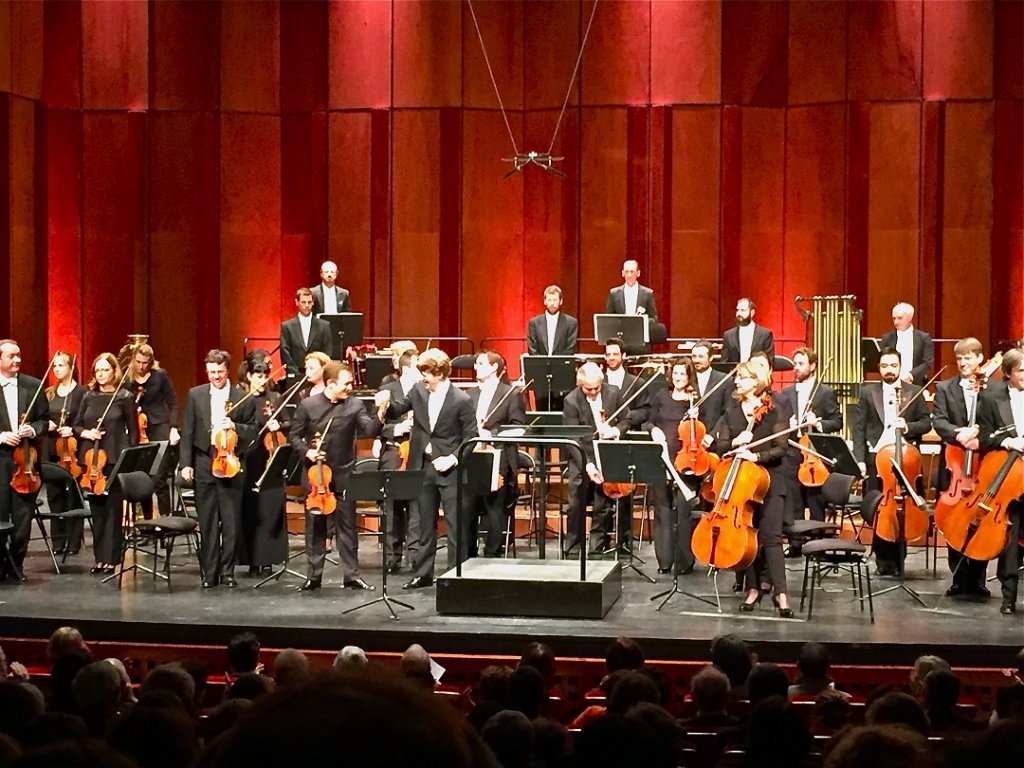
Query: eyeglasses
[(260, 368)]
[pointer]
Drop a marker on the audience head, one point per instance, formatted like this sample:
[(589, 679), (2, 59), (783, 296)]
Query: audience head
[(896, 708), (767, 679), (542, 658), (526, 691), (415, 667), (777, 736), (291, 668), (732, 656), (831, 711), (64, 640), (19, 705), (171, 678), (668, 734), (244, 652), (510, 737), (623, 653), (62, 673), (613, 741), (879, 746), (52, 728), (350, 658), (197, 671), (632, 688), (97, 690), (493, 685), (250, 685), (156, 738), (709, 689), (814, 661), (922, 666), (551, 742), (127, 693)]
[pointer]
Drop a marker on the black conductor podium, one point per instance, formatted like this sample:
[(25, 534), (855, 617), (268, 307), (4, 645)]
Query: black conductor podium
[(346, 331), (384, 486)]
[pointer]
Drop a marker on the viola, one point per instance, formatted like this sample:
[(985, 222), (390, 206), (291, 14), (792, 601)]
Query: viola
[(272, 440), (92, 478), (321, 497), (812, 472), (894, 501), (25, 478), (142, 418), (693, 458), (978, 526), (66, 449), (225, 441), (617, 490)]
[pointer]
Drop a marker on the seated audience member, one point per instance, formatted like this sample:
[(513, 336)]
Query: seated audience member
[(733, 657), (895, 708), (668, 734), (832, 711), (614, 741), (767, 679), (291, 668), (18, 707), (661, 682), (542, 658), (350, 658), (922, 666), (200, 679), (623, 653), (879, 746), (510, 737), (594, 711), (1001, 746), (631, 689), (551, 742), (813, 665), (243, 653), (97, 690), (777, 736), (526, 691), (709, 690), (1009, 704), (491, 695), (156, 738), (223, 718), (62, 673), (64, 640), (14, 670), (941, 693), (52, 728), (173, 679), (414, 666), (127, 691), (250, 685)]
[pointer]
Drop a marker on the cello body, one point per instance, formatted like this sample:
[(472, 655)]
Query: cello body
[(812, 472), (916, 520), (725, 537), (978, 525)]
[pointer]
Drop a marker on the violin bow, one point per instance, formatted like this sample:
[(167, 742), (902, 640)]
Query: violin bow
[(715, 388), (252, 392), (32, 402), (903, 408), (64, 405), (814, 391), (289, 394), (630, 399), (512, 388), (113, 396)]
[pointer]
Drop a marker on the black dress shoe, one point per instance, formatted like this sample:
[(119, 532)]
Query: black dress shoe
[(209, 583), (254, 570), (979, 591), (419, 582), (358, 583), (394, 568), (664, 570), (228, 581), (310, 585), (1007, 608), (954, 590), (685, 571)]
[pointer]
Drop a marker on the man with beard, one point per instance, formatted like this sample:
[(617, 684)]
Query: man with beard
[(747, 337)]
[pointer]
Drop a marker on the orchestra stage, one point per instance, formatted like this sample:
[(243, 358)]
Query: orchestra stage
[(965, 633)]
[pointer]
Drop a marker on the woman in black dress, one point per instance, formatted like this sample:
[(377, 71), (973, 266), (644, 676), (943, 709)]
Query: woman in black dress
[(153, 393), (753, 415), (264, 534), (118, 430), (64, 398)]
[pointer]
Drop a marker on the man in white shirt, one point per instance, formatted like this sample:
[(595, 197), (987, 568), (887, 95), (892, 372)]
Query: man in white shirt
[(328, 297), (553, 332), (915, 347), (303, 334), (747, 337), (632, 298)]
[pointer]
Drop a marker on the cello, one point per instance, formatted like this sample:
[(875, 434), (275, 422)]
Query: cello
[(900, 516)]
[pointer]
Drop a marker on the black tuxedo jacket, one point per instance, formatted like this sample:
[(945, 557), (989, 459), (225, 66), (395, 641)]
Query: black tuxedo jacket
[(344, 302), (576, 412), (348, 419), (38, 418), (924, 353), (293, 351), (769, 454), (616, 303), (949, 409), (763, 341), (456, 423), (867, 418), (824, 404), (387, 432), (196, 424), (994, 413), (566, 335), (510, 412), (711, 410)]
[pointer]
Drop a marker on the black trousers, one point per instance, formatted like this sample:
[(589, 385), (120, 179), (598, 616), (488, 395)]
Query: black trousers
[(674, 522), (581, 493), (341, 526), (967, 574), (495, 509), (396, 512), (770, 564), (439, 492), (15, 508), (1008, 565), (219, 506)]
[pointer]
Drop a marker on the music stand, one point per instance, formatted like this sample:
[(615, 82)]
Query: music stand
[(870, 353), (270, 489), (140, 458), (901, 519), (632, 330), (836, 450), (384, 486), (568, 432), (553, 376), (346, 331), (626, 461), (377, 368)]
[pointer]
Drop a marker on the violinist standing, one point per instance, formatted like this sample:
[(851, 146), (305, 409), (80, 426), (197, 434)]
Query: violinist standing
[(673, 514), (1001, 407), (955, 400), (154, 396), (753, 402), (393, 435), (63, 400), (874, 421), (117, 431), (338, 419), (218, 499), (822, 415), (496, 406), (589, 404), (264, 538), (18, 391)]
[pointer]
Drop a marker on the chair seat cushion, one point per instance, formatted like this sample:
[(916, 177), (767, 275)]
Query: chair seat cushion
[(6, 526), (71, 514), (173, 525), (826, 547), (809, 527)]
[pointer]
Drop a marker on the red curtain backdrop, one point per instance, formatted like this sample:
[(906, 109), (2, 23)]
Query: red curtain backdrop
[(179, 168)]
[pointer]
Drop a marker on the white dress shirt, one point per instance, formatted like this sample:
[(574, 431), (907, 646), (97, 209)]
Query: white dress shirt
[(305, 322), (746, 337), (10, 389), (330, 300), (905, 346), (1017, 409), (483, 405), (703, 379), (596, 406), (629, 295), (970, 396), (435, 400), (803, 393), (218, 405), (889, 415), (616, 377), (552, 323)]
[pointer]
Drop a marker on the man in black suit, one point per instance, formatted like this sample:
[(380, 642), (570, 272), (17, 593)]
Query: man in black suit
[(1001, 407), (303, 334), (443, 419), (496, 404), (18, 391), (583, 407), (747, 337), (707, 378), (329, 298), (393, 434), (631, 298), (553, 332), (874, 421), (954, 408), (914, 346), (325, 427), (218, 499), (822, 415)]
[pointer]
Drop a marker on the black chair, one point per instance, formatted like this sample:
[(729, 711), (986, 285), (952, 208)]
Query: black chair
[(76, 507), (160, 533), (841, 504)]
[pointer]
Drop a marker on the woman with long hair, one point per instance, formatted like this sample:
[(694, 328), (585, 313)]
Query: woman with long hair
[(64, 397)]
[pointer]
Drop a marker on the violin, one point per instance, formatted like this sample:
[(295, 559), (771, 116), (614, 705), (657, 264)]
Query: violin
[(25, 478), (693, 458), (92, 478), (142, 418), (895, 503), (812, 471), (66, 448), (321, 497), (273, 439), (224, 442), (978, 525)]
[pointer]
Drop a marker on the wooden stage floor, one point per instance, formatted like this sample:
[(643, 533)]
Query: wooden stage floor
[(965, 633)]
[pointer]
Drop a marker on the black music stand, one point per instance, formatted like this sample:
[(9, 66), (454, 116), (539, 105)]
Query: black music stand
[(870, 354), (901, 519), (270, 490), (346, 331), (140, 458), (377, 368), (627, 461), (553, 376), (835, 449), (567, 432), (632, 330), (384, 486)]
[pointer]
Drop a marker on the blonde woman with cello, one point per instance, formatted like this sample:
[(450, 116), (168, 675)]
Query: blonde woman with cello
[(105, 425), (64, 397)]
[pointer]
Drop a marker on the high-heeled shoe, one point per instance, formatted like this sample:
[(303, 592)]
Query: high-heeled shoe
[(747, 606), (784, 613)]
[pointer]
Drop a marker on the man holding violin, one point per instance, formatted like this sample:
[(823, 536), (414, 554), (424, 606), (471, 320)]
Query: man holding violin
[(18, 393), (215, 414), (324, 430), (875, 419)]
